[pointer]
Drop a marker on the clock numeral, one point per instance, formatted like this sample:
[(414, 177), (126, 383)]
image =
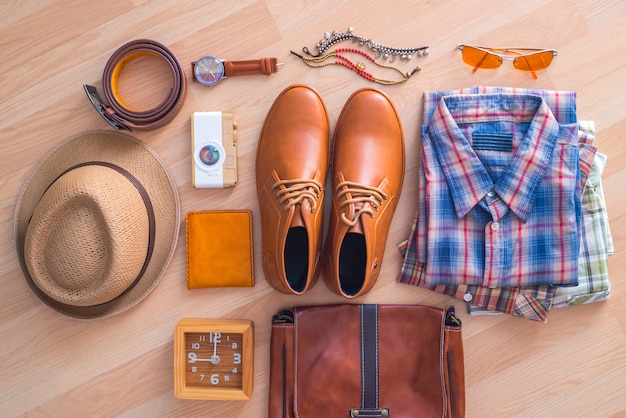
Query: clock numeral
[(195, 346), (234, 346), (236, 358), (215, 337), (194, 369), (192, 357), (215, 379), (226, 378), (202, 338), (202, 376), (234, 370)]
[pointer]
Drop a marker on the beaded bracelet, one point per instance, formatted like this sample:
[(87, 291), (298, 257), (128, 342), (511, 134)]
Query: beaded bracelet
[(382, 51), (359, 67)]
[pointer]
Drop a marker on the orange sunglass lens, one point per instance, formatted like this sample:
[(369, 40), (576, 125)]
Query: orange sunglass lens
[(480, 59), (534, 62)]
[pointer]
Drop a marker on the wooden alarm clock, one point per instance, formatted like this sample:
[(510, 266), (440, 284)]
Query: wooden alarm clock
[(213, 359)]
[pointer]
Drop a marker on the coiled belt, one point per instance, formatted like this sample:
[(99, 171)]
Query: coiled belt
[(115, 112)]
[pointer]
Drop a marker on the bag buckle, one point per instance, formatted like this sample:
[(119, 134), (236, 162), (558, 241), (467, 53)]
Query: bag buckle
[(370, 412), (451, 319), (283, 316)]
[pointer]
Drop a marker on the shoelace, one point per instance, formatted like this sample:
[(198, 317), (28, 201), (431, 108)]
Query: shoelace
[(360, 194), (296, 191)]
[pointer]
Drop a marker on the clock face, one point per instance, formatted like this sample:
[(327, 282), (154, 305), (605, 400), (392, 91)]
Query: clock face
[(213, 359), (209, 70)]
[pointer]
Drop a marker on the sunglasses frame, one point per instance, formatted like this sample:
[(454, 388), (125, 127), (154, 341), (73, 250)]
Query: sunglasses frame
[(503, 56)]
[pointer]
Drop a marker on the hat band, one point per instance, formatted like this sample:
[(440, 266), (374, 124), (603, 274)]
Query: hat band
[(149, 209)]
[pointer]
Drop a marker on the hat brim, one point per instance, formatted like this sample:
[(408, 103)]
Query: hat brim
[(145, 165)]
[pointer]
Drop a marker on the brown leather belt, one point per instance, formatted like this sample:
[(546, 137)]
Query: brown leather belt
[(115, 112)]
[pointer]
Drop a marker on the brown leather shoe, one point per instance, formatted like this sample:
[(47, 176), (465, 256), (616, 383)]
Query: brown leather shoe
[(367, 175), (291, 168)]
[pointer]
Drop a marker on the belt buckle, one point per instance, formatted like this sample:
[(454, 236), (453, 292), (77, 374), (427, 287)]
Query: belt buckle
[(98, 104)]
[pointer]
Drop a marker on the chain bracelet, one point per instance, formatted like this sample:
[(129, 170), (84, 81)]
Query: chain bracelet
[(381, 51)]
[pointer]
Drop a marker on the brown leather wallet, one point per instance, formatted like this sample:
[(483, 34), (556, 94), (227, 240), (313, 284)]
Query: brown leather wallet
[(119, 116), (219, 249)]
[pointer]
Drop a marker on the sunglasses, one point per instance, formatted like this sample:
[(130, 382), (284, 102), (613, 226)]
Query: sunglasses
[(524, 59)]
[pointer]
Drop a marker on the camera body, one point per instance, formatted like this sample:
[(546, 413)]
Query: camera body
[(213, 149)]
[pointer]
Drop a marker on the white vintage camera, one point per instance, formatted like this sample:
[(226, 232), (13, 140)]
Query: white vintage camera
[(214, 149)]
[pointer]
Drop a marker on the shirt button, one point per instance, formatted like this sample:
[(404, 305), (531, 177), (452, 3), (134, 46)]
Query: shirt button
[(495, 226), (468, 297), (491, 193)]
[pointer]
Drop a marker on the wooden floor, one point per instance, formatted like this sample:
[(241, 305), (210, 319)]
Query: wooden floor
[(51, 365)]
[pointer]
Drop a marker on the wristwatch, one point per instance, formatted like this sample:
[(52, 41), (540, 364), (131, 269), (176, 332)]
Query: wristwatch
[(209, 70)]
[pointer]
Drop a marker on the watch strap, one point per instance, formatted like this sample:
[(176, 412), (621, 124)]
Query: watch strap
[(265, 66), (116, 113)]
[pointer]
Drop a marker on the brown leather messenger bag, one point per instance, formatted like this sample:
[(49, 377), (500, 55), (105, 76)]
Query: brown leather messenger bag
[(353, 360)]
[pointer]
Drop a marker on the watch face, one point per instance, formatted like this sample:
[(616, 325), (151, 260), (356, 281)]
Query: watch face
[(209, 70), (214, 360)]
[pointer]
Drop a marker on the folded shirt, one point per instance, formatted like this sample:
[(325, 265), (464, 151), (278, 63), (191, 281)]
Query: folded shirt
[(595, 248), (529, 301)]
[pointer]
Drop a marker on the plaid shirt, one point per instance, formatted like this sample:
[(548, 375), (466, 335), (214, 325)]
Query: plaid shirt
[(502, 208), (596, 246), (532, 302)]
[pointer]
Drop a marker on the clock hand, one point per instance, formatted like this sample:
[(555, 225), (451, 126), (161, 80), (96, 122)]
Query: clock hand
[(215, 358)]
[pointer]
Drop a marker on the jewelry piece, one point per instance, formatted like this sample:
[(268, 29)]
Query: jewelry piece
[(359, 67), (382, 51)]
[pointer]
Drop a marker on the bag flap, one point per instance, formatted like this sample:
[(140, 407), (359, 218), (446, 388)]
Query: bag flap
[(328, 361)]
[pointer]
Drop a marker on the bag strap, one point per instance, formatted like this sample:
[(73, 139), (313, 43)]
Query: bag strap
[(369, 365), (369, 356)]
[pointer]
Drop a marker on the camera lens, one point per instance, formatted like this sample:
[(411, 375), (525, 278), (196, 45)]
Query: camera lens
[(209, 155)]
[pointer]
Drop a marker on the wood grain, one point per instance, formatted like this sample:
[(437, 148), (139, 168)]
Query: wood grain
[(51, 365)]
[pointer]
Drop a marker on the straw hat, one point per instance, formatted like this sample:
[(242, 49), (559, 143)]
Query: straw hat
[(96, 224)]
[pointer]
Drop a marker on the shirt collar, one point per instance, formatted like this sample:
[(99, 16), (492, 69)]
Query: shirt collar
[(467, 178)]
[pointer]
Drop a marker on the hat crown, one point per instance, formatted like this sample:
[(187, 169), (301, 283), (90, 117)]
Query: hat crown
[(88, 238)]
